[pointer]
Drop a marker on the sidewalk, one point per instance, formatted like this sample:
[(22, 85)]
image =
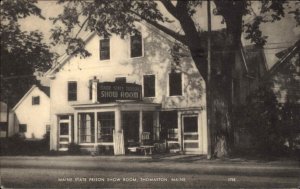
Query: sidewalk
[(172, 158)]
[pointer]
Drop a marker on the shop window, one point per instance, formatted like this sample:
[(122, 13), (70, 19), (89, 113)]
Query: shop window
[(169, 126), (136, 46), (104, 49), (86, 128), (106, 125), (35, 100), (22, 128), (149, 85), (120, 80), (72, 91), (175, 84)]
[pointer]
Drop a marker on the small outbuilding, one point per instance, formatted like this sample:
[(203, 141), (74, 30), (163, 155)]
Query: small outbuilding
[(32, 113)]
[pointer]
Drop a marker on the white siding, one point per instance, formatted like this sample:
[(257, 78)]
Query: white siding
[(34, 116)]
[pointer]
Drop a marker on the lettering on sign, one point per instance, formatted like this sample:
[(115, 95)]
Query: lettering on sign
[(110, 91)]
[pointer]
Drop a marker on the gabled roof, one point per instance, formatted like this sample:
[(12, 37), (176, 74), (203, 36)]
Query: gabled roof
[(285, 55), (65, 57), (45, 89), (29, 91)]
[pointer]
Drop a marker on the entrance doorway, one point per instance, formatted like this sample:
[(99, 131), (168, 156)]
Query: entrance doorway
[(190, 133), (65, 131), (130, 125)]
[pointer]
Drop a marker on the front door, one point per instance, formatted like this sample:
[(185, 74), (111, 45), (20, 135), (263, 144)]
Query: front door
[(64, 130), (190, 142), (130, 125)]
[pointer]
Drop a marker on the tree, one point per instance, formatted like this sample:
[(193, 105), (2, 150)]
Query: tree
[(22, 53), (115, 16)]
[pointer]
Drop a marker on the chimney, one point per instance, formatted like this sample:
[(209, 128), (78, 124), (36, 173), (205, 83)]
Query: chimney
[(94, 89)]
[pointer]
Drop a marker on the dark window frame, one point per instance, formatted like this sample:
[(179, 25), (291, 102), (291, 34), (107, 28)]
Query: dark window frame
[(175, 84), (136, 45), (149, 86), (72, 93), (22, 128), (104, 49), (35, 100)]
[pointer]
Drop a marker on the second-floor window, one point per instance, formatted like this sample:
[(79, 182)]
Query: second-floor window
[(35, 100), (104, 49), (149, 85), (175, 84), (72, 91), (136, 46)]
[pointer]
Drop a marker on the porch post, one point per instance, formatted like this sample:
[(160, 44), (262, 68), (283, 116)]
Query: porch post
[(75, 128), (95, 126), (118, 120), (180, 130), (140, 125), (119, 148)]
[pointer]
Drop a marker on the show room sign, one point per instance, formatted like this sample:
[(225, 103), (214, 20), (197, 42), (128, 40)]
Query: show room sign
[(112, 91)]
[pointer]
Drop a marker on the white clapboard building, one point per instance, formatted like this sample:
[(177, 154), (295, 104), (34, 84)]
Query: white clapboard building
[(128, 91)]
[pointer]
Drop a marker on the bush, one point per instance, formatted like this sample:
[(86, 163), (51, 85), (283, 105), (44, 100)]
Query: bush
[(74, 149), (265, 120), (17, 145)]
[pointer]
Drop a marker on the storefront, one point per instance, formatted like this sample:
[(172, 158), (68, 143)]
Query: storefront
[(119, 120)]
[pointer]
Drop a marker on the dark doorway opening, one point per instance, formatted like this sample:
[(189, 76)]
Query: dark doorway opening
[(130, 125)]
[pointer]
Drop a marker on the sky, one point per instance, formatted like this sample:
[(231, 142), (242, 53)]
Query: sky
[(281, 34)]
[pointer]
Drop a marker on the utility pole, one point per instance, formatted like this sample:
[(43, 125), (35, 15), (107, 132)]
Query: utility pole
[(208, 83)]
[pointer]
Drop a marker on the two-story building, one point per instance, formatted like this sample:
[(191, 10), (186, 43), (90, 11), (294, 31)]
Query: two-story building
[(128, 90)]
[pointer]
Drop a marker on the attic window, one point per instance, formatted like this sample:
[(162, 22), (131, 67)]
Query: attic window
[(35, 100)]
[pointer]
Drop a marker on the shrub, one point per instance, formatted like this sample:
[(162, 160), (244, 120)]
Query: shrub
[(74, 149), (261, 117)]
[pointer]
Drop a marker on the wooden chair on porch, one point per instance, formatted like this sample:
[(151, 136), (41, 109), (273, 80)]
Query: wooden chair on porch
[(147, 146)]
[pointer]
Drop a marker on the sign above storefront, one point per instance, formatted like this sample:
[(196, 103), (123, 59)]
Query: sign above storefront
[(112, 91)]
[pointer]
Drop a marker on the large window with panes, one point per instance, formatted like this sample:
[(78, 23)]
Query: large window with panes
[(106, 125), (86, 127), (104, 49), (175, 84), (149, 85), (72, 91)]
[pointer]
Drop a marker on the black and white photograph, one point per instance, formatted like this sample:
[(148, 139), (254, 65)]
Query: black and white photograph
[(150, 94)]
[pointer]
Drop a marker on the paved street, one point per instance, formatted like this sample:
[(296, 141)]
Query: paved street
[(145, 172)]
